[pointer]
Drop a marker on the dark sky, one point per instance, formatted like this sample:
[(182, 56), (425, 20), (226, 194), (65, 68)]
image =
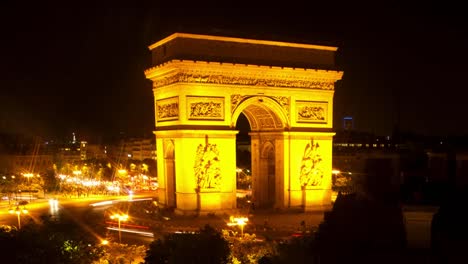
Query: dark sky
[(80, 68)]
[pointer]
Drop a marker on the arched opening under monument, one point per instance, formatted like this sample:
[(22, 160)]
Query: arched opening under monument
[(243, 163), (268, 165), (169, 167), (259, 120)]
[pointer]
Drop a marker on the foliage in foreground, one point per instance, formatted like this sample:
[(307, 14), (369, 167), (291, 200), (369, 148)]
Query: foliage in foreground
[(122, 254), (207, 246), (50, 242)]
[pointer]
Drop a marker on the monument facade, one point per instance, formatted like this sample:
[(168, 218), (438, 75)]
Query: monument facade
[(203, 83)]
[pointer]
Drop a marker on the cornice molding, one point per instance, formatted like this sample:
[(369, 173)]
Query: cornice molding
[(240, 40)]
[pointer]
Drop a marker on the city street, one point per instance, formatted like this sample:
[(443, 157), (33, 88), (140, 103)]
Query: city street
[(263, 224)]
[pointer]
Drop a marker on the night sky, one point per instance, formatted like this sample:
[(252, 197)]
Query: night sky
[(74, 69)]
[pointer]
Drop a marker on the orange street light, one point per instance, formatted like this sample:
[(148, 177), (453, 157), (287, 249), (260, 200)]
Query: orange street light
[(120, 217), (18, 212), (336, 172), (77, 173), (239, 221)]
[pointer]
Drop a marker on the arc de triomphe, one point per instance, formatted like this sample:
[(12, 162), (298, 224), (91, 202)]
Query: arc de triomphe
[(203, 83)]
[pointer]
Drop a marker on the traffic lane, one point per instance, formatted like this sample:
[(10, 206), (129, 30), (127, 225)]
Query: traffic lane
[(72, 206)]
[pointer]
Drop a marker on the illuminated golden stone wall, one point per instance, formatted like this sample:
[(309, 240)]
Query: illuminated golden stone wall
[(290, 111)]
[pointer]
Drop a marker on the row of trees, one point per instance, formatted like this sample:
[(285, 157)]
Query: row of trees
[(64, 241)]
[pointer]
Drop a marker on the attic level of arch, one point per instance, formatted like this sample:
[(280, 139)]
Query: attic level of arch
[(242, 51)]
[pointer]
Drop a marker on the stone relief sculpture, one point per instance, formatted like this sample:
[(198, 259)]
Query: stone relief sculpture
[(283, 101), (312, 111), (206, 109), (207, 167), (235, 100), (167, 109), (209, 107), (233, 80), (311, 167)]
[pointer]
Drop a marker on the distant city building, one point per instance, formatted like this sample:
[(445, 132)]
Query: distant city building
[(348, 123), (141, 148), (133, 148), (96, 151), (83, 149), (21, 164)]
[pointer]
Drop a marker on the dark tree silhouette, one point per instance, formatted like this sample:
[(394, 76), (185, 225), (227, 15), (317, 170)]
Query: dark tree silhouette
[(207, 246)]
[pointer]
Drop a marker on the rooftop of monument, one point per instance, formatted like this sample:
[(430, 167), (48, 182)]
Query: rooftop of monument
[(184, 46)]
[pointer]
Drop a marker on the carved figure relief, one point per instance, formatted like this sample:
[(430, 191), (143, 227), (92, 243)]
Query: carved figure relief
[(205, 107), (167, 109), (311, 167), (282, 100), (235, 100), (233, 80), (207, 167), (312, 112)]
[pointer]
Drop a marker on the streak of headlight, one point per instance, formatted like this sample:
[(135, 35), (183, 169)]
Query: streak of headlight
[(142, 199), (102, 203), (148, 234), (53, 204)]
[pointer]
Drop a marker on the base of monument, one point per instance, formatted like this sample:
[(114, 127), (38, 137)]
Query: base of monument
[(316, 200), (317, 208), (203, 212)]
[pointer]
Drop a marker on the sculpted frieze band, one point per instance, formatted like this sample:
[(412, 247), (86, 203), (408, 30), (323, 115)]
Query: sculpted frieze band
[(235, 80)]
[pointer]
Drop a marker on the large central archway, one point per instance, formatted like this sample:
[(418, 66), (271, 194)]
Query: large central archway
[(267, 121), (202, 84)]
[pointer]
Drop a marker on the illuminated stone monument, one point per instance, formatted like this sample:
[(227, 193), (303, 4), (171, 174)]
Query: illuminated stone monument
[(202, 84)]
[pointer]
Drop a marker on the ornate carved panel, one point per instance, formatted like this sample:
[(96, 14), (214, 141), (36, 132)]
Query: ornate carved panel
[(205, 107), (193, 77), (312, 112), (236, 99), (167, 109), (283, 101), (311, 167), (207, 167)]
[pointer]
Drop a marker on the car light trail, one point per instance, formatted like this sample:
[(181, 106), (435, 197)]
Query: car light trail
[(143, 233)]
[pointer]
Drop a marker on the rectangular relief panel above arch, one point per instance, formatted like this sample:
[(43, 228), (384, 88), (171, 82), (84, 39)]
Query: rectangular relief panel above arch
[(312, 112), (206, 108)]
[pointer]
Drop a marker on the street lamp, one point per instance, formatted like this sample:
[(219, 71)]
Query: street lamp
[(18, 212), (28, 175), (119, 217), (239, 221)]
